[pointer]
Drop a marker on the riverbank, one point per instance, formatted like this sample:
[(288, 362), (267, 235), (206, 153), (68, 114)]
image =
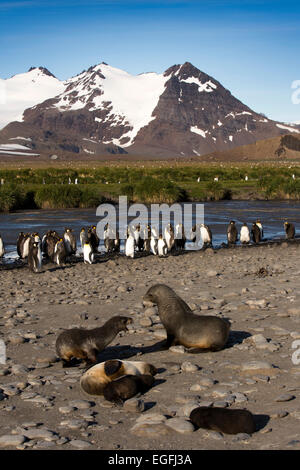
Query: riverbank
[(57, 188), (256, 288)]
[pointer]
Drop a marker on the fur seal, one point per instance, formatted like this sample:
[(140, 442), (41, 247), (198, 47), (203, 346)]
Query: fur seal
[(245, 234), (223, 420), (94, 379), (86, 344), (127, 387), (198, 332), (256, 233), (232, 234), (289, 230)]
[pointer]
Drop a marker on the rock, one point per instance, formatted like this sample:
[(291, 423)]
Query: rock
[(79, 444), (177, 349), (151, 418), (180, 425), (11, 440), (16, 339), (66, 409), (40, 433), (242, 436), (186, 409), (146, 322), (151, 430), (150, 311), (221, 392), (81, 404), (134, 405), (189, 367), (19, 369), (285, 397), (294, 311), (254, 366)]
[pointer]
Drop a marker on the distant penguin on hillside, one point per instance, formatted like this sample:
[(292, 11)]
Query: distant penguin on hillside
[(180, 238), (60, 253), (206, 235), (83, 237), (35, 257), (2, 249), (289, 230), (129, 244), (232, 234), (88, 255), (70, 241), (244, 234), (256, 233), (162, 248), (259, 224), (169, 236)]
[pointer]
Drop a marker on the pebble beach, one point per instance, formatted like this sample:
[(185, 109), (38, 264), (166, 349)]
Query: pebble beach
[(256, 288)]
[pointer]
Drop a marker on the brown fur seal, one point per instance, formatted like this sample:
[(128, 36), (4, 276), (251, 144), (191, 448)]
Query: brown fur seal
[(198, 332), (85, 344), (223, 420), (97, 377), (127, 387)]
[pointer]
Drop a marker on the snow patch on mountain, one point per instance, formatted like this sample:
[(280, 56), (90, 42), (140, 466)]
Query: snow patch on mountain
[(290, 129), (26, 90)]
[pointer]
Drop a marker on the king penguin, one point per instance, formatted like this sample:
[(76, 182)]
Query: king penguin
[(244, 234)]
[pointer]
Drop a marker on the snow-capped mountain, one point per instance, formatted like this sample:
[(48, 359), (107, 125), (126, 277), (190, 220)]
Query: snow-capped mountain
[(182, 112)]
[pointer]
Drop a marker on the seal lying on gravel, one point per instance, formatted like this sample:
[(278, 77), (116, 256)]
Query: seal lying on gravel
[(223, 420), (85, 344), (127, 387), (97, 377), (198, 332)]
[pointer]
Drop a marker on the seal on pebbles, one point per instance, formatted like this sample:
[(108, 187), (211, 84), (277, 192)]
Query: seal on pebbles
[(223, 420), (198, 332), (127, 387), (85, 344), (94, 380)]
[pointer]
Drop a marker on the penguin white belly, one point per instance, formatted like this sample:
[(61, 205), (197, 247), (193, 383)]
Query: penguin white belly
[(205, 235), (39, 257), (26, 247), (68, 243), (161, 247), (88, 256), (129, 246), (168, 239), (245, 235), (2, 251), (153, 245)]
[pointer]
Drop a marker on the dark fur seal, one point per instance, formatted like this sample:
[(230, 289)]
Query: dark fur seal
[(223, 420), (86, 344), (127, 387), (289, 230), (198, 332), (97, 377)]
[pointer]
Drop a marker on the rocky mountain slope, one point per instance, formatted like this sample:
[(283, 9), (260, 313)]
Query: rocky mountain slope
[(104, 110)]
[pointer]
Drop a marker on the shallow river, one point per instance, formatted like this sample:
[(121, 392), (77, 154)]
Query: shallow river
[(216, 214)]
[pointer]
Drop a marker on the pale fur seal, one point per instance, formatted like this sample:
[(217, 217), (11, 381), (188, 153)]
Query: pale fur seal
[(97, 377), (223, 420), (198, 332), (127, 387), (85, 344)]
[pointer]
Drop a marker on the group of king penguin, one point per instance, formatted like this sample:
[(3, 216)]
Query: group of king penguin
[(148, 240)]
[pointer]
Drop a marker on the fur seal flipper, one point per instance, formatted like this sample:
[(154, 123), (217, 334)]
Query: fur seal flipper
[(223, 420), (183, 326)]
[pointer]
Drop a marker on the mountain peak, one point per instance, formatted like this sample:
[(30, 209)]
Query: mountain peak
[(44, 70)]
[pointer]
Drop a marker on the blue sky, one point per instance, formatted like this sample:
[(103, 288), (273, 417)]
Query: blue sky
[(251, 47)]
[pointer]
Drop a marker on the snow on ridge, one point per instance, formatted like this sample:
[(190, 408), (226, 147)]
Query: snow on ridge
[(291, 129), (26, 90), (208, 86), (13, 147), (196, 130)]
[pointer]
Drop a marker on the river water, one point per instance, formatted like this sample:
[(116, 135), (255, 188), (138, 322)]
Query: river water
[(216, 214)]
